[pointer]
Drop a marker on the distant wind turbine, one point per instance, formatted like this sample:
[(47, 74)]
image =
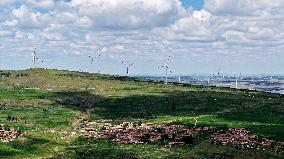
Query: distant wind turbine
[(219, 71), (271, 79), (219, 76), (166, 67), (127, 67), (35, 57), (208, 80), (93, 58), (236, 82)]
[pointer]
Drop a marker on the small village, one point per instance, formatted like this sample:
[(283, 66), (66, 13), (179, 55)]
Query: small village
[(240, 138), (174, 135), (128, 133), (168, 135), (8, 135)]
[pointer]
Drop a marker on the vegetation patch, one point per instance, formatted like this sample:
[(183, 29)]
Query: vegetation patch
[(51, 105)]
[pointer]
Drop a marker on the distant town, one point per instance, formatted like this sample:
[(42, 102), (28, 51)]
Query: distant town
[(265, 83)]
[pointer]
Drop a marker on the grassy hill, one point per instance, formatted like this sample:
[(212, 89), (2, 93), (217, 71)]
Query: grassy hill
[(50, 104)]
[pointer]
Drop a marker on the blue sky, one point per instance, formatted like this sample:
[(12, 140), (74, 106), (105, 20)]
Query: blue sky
[(196, 4), (238, 36)]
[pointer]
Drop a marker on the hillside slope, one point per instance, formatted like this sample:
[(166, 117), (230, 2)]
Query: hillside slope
[(50, 106)]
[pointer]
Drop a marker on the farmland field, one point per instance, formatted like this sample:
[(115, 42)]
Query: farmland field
[(50, 105)]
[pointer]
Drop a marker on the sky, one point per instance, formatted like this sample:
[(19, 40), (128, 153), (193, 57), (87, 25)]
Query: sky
[(200, 36)]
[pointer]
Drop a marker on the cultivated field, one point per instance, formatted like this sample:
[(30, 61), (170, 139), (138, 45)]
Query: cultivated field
[(49, 107)]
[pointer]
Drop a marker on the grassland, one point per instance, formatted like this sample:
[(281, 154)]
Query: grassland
[(71, 97)]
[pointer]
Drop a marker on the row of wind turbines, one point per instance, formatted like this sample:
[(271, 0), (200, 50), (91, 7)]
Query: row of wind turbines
[(127, 65), (93, 59), (219, 77)]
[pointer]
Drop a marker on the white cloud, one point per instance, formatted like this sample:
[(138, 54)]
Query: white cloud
[(11, 23), (19, 35), (4, 33), (104, 50), (145, 30), (84, 22), (243, 7), (194, 24), (7, 2), (28, 18), (129, 14), (44, 4)]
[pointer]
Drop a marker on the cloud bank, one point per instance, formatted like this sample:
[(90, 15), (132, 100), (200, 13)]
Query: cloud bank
[(241, 36)]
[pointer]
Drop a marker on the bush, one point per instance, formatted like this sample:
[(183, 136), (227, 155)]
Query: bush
[(188, 139)]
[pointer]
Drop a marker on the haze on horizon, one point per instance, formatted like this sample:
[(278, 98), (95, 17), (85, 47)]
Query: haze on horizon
[(240, 36)]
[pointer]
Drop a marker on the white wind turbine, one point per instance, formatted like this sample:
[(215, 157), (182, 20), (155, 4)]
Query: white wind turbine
[(271, 79), (94, 58), (127, 66), (219, 71), (219, 75), (166, 67), (208, 80), (236, 82), (35, 57)]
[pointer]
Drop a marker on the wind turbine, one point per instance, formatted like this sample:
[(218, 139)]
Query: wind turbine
[(35, 57), (271, 79), (236, 82), (219, 71), (208, 80), (219, 75), (127, 67), (166, 67), (93, 58)]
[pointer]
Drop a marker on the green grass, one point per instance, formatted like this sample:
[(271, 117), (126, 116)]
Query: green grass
[(71, 97)]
